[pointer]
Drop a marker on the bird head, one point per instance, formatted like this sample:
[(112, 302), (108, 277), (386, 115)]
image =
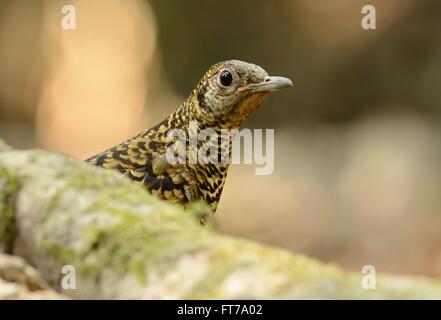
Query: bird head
[(231, 90)]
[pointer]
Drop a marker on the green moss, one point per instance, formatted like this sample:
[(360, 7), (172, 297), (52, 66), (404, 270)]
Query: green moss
[(4, 146), (104, 245), (63, 254), (208, 286), (96, 220), (148, 246), (9, 186)]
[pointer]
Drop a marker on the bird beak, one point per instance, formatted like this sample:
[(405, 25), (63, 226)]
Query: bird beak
[(270, 84)]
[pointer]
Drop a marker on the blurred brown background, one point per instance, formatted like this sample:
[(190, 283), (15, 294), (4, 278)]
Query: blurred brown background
[(357, 169)]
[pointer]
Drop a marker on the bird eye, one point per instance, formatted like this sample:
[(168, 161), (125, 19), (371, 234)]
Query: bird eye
[(225, 78)]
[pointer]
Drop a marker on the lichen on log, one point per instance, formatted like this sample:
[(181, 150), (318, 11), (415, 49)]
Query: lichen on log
[(124, 243)]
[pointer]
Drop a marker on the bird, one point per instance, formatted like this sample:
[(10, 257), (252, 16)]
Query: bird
[(221, 101)]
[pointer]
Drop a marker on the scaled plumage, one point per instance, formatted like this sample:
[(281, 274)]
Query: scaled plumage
[(227, 94)]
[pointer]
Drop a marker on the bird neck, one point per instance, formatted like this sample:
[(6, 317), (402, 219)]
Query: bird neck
[(190, 113), (192, 123)]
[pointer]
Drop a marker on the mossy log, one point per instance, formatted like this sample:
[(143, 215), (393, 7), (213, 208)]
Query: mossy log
[(124, 243)]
